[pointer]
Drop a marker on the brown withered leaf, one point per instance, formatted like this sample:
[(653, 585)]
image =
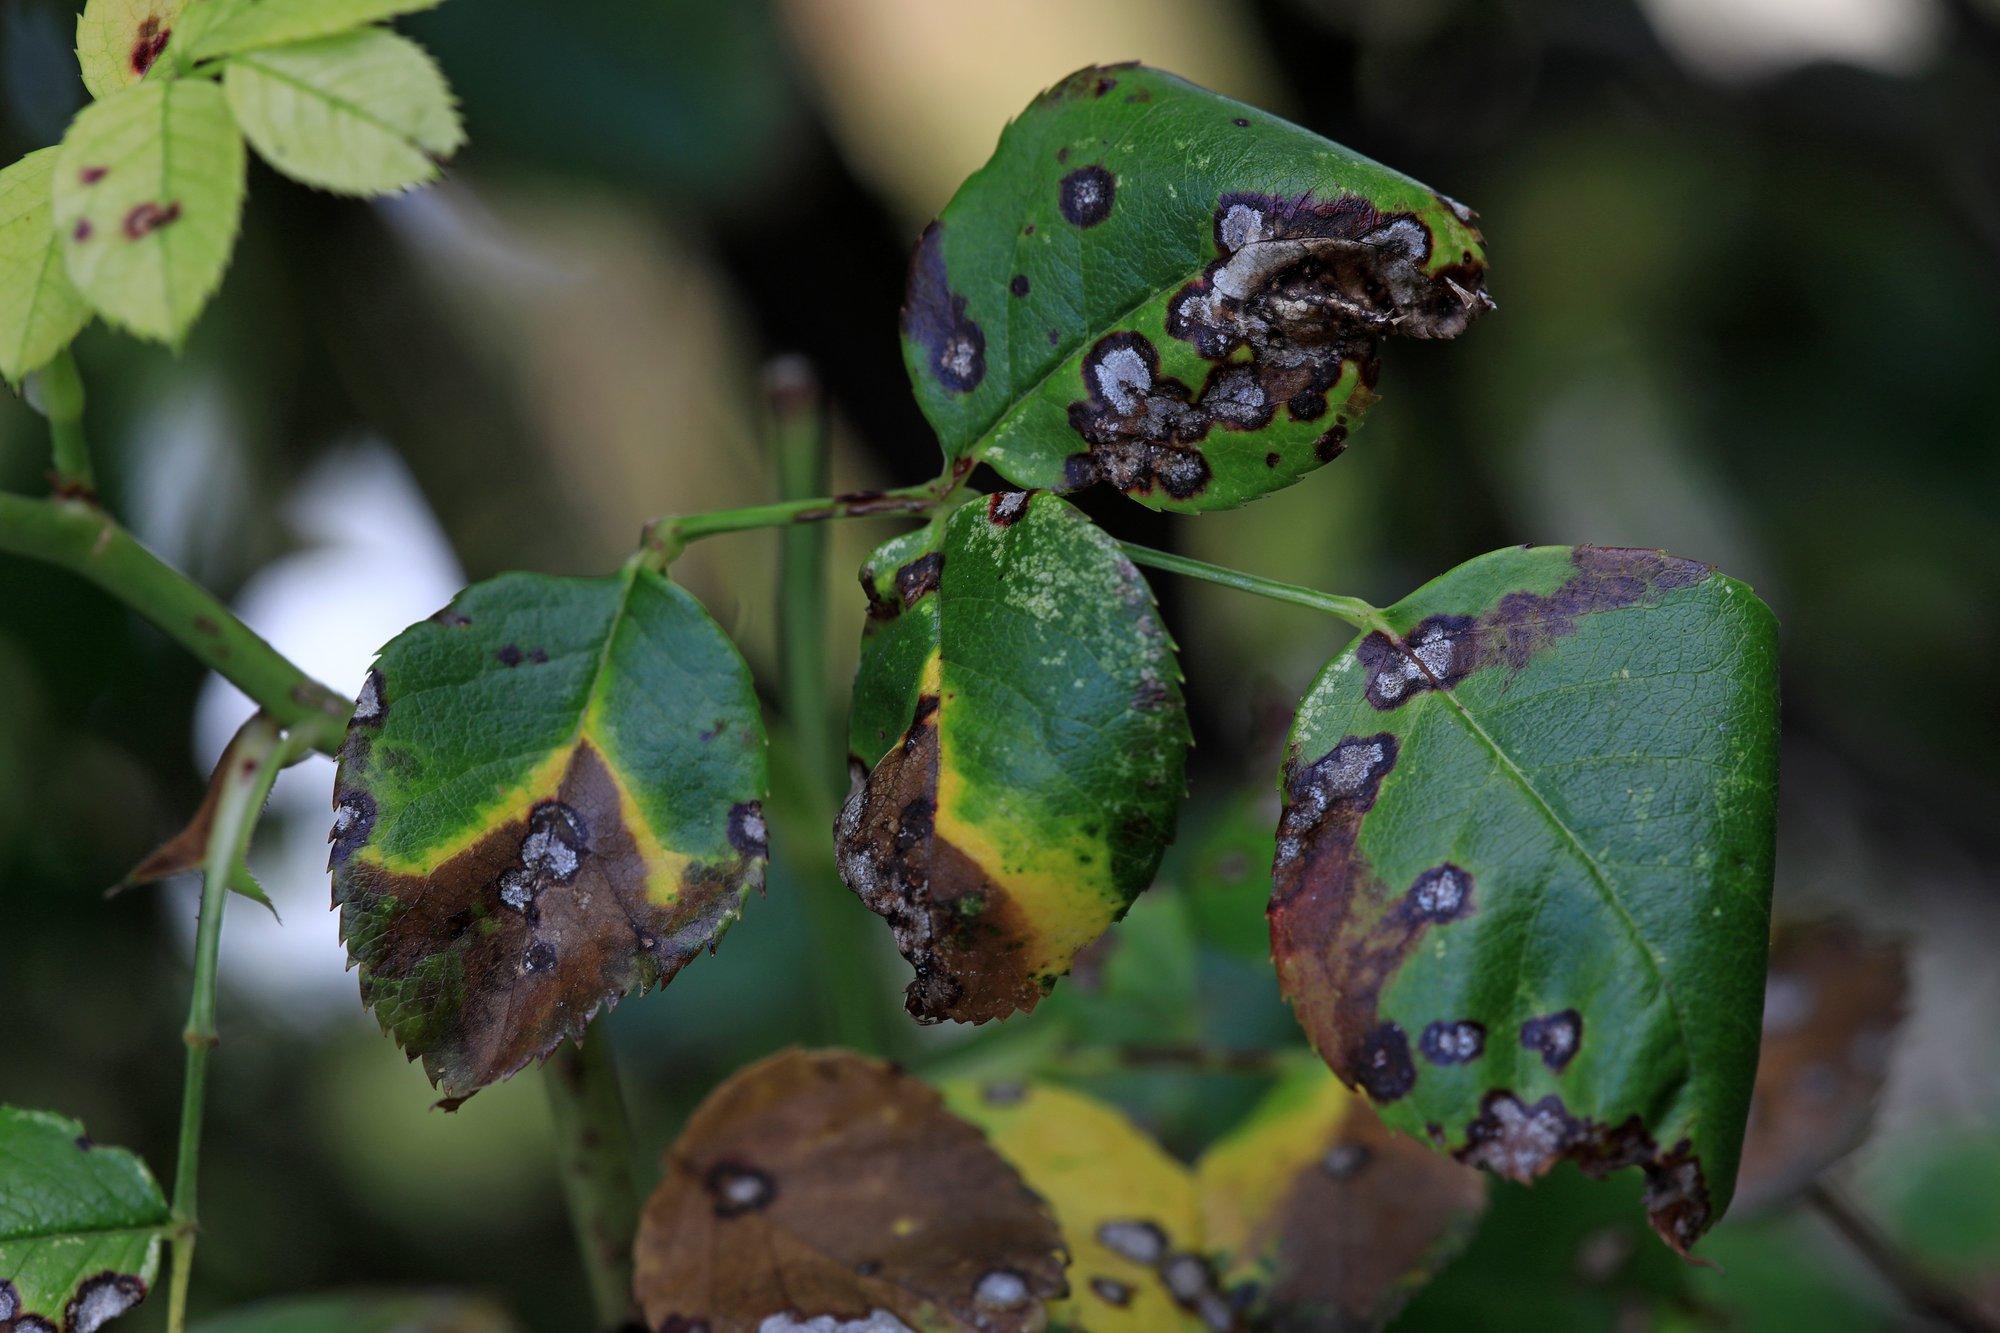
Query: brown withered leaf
[(822, 1183), (187, 849), (1831, 1007)]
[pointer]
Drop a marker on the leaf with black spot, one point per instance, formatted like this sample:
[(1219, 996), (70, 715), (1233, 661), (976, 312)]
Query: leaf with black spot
[(1018, 713), (80, 1226), (1157, 287), (1523, 872), (821, 1183), (1328, 1216), (549, 798)]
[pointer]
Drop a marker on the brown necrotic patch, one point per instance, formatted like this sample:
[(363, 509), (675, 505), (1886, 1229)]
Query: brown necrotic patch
[(1442, 650), (1085, 196), (955, 924), (487, 962), (934, 318), (919, 578), (1140, 426), (1338, 933)]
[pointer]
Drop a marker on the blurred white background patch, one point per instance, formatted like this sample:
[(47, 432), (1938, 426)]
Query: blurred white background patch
[(1739, 39)]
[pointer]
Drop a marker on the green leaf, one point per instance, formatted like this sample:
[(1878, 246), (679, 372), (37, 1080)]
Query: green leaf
[(549, 798), (119, 41), (229, 27), (365, 1312), (1128, 1211), (361, 113), (1328, 1216), (148, 192), (1019, 706), (1523, 874), (80, 1225), (1155, 286), (40, 309)]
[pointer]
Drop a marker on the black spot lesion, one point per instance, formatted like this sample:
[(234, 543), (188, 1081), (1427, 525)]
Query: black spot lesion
[(1085, 196), (1140, 426), (1383, 1066), (98, 1300), (353, 823), (1556, 1037), (747, 831), (934, 318), (1458, 1042), (738, 1188), (919, 578)]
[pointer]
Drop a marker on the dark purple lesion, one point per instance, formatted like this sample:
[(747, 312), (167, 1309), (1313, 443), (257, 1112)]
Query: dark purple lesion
[(148, 42), (934, 318)]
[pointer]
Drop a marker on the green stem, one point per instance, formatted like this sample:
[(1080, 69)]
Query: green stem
[(57, 392), (1353, 610), (665, 538), (245, 774), (594, 1156), (797, 429), (1921, 1291), (80, 537)]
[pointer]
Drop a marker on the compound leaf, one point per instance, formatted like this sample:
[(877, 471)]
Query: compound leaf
[(549, 797), (1328, 1216), (1155, 286), (228, 27), (40, 308), (360, 113), (148, 193), (80, 1225), (119, 41), (814, 1188), (1523, 872), (1019, 709), (1128, 1211)]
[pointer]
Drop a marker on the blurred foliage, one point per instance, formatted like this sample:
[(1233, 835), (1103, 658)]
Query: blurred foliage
[(1754, 319)]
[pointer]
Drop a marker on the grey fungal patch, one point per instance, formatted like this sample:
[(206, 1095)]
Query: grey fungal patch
[(1439, 653), (556, 843), (1085, 195), (1003, 508), (10, 1299), (747, 832), (368, 705), (1001, 1289), (875, 1321), (517, 889), (1111, 1291), (1344, 1161), (353, 822), (1517, 1141), (1556, 1036), (1385, 1070), (1453, 1043), (738, 1189), (32, 1323), (101, 1299), (934, 319), (1442, 893), (1141, 1242)]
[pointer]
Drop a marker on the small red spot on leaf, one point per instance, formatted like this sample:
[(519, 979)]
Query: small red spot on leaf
[(149, 217), (147, 45)]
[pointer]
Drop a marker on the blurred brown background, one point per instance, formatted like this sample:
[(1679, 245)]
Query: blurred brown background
[(1747, 260)]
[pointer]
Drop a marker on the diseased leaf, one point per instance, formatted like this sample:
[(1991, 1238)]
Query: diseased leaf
[(365, 1312), (119, 41), (1128, 1211), (549, 797), (148, 193), (1018, 707), (1523, 872), (227, 27), (360, 113), (822, 1185), (1831, 1007), (1155, 286), (40, 308), (1330, 1219), (80, 1226)]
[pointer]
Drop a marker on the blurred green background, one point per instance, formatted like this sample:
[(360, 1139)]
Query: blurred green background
[(1747, 260)]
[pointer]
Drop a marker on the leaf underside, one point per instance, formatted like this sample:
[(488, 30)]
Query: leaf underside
[(80, 1225), (40, 308), (549, 797), (1157, 287), (823, 1184), (1523, 872), (1018, 709)]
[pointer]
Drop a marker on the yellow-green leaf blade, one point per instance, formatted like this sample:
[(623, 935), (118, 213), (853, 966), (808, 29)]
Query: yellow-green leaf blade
[(227, 27), (119, 41), (40, 308), (148, 194), (360, 113)]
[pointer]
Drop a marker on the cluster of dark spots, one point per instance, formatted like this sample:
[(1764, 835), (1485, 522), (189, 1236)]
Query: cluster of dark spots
[(1085, 196), (1383, 1066), (934, 318), (1140, 425), (1325, 800), (92, 175), (1331, 444), (1453, 1043), (1018, 284), (1345, 1161), (1105, 83), (510, 655), (1556, 1037), (919, 578), (353, 822), (1187, 1277), (1004, 508), (1091, 80), (747, 833), (1190, 1280), (738, 1188), (551, 853), (150, 40), (144, 219), (101, 1299), (1111, 1291)]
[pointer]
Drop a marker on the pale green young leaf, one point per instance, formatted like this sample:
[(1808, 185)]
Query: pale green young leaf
[(40, 309), (228, 27), (148, 193), (362, 113), (118, 41)]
